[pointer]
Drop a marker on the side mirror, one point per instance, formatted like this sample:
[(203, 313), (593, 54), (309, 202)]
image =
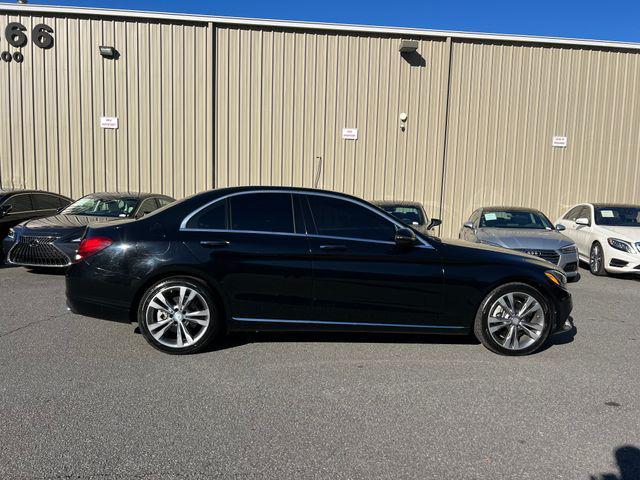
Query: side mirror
[(5, 210), (468, 225), (560, 227), (583, 221), (405, 237), (434, 223)]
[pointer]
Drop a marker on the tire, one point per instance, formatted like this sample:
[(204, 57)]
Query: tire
[(530, 330), (597, 260), (178, 315)]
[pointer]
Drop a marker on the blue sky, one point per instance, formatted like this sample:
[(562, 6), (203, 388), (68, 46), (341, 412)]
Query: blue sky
[(607, 20)]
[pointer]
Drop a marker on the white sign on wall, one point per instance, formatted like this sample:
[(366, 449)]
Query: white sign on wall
[(350, 133), (109, 122), (560, 142)]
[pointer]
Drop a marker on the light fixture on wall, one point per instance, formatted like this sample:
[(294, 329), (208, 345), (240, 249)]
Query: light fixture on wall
[(108, 52), (408, 46)]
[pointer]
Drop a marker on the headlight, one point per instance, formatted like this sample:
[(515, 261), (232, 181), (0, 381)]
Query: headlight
[(12, 234), (620, 245), (569, 249), (556, 277)]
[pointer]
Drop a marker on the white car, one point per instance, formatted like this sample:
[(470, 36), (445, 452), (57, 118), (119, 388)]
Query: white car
[(607, 236)]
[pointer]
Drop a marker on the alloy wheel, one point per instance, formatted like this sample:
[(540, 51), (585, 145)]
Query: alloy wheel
[(177, 316), (516, 321)]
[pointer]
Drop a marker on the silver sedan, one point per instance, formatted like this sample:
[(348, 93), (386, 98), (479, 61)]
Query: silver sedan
[(525, 230)]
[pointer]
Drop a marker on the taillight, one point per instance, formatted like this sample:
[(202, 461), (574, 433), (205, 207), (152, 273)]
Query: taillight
[(91, 246)]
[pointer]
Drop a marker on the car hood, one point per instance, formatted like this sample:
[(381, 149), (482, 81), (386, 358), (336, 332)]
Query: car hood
[(468, 252), (631, 234), (60, 225), (522, 238)]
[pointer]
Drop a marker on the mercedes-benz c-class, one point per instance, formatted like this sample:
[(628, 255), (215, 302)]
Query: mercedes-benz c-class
[(256, 258)]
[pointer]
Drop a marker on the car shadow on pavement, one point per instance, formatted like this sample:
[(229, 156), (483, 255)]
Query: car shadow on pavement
[(238, 339), (628, 460)]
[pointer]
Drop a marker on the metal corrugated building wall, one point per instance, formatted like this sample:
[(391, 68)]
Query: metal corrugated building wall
[(208, 102), (507, 103), (283, 98), (160, 89)]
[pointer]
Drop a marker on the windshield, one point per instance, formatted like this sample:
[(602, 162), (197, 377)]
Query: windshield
[(514, 219), (102, 207), (405, 213), (618, 216)]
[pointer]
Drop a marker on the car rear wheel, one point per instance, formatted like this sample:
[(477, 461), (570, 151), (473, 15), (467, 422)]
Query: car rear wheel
[(596, 260), (513, 319), (178, 315)]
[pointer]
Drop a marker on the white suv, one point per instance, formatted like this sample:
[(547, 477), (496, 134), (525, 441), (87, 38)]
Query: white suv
[(607, 236)]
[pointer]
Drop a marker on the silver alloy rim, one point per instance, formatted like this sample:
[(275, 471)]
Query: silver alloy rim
[(596, 258), (516, 321), (177, 316)]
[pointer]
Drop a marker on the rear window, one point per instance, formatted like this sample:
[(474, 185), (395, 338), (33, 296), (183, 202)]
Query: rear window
[(405, 213)]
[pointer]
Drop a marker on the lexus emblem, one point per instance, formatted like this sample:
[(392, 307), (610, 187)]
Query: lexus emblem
[(34, 243)]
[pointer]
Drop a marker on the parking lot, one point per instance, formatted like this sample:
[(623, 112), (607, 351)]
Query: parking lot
[(89, 398)]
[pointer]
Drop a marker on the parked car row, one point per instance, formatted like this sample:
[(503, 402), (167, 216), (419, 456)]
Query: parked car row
[(604, 235), (43, 229)]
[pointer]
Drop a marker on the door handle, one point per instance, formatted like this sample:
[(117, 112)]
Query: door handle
[(333, 248), (215, 243)]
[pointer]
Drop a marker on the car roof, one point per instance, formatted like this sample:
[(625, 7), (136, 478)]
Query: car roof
[(625, 205), (6, 192), (138, 195), (516, 209), (406, 203), (219, 192)]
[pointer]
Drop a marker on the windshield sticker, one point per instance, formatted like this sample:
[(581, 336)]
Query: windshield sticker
[(606, 213), (490, 216)]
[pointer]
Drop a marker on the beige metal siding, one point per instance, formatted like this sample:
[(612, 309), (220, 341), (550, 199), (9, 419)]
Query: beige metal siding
[(160, 89), (506, 104), (283, 98)]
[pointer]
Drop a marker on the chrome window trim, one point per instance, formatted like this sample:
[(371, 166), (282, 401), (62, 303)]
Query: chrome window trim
[(184, 228), (360, 324)]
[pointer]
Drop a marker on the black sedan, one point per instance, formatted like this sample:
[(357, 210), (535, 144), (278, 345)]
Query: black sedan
[(256, 258), (53, 241), (16, 206)]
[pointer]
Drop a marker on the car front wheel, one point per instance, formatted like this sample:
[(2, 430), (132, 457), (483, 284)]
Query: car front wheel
[(596, 260), (514, 319), (178, 315)]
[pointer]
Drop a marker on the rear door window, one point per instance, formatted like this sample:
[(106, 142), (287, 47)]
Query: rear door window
[(262, 212), (213, 217), (334, 217), (148, 206), (43, 201), (20, 203)]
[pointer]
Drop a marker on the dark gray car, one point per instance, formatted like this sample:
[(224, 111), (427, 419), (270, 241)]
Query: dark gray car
[(525, 230), (410, 213)]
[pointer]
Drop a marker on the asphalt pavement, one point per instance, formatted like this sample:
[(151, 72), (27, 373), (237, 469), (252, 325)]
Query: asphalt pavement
[(85, 398)]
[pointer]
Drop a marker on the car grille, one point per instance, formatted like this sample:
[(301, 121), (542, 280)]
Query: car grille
[(548, 255), (37, 251)]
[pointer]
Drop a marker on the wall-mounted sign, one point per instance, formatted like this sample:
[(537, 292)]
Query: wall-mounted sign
[(560, 142), (350, 133), (109, 122)]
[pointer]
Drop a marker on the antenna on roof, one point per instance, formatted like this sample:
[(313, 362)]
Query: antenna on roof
[(23, 2)]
